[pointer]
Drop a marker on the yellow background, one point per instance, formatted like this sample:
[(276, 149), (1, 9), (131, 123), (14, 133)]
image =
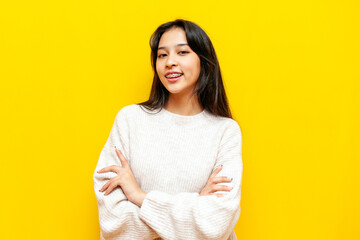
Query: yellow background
[(291, 70)]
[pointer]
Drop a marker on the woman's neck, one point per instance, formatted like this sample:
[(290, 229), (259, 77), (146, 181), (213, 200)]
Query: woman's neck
[(183, 105)]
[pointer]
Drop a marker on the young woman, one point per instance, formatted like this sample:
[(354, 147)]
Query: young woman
[(172, 166)]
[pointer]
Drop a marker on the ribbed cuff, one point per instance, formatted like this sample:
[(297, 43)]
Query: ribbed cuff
[(154, 204)]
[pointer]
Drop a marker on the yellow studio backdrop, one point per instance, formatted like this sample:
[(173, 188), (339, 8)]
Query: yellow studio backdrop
[(291, 70)]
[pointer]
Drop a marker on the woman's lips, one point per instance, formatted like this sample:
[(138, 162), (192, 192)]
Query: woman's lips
[(174, 79)]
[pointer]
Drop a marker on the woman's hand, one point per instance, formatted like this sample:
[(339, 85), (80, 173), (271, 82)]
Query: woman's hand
[(212, 185), (124, 179)]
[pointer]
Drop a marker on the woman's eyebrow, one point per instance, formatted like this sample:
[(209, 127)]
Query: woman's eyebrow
[(177, 45)]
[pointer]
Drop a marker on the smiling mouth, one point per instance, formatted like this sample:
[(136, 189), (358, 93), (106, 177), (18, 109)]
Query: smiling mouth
[(173, 75)]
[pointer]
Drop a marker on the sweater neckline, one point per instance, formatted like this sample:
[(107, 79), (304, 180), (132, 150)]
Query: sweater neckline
[(196, 116)]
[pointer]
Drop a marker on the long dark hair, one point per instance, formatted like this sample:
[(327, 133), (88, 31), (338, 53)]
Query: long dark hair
[(209, 86)]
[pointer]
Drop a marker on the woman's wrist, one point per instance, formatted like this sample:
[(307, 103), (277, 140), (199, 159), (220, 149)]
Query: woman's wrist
[(139, 198)]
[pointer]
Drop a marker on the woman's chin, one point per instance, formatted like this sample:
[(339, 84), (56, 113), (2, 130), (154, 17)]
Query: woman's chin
[(176, 91), (173, 90)]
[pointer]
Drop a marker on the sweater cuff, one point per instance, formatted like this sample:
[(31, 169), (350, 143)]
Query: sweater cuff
[(154, 203), (155, 206)]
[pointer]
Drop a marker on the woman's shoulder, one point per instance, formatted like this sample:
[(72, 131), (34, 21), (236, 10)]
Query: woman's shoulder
[(228, 128), (128, 109), (226, 122), (134, 111), (126, 112)]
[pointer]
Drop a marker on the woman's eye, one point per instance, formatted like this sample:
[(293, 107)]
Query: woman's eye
[(161, 55), (183, 52)]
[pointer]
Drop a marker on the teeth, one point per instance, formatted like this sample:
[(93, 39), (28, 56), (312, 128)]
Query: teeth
[(173, 75)]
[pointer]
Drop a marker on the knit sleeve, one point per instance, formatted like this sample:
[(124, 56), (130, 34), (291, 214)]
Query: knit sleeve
[(191, 216), (118, 217)]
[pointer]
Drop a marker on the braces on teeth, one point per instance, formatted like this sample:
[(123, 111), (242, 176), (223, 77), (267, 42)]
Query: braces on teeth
[(173, 75)]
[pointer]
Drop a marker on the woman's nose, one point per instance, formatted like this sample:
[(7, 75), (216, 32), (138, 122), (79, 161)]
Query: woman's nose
[(171, 61)]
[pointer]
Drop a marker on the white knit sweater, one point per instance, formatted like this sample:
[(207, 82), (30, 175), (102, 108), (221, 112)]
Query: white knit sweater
[(172, 157)]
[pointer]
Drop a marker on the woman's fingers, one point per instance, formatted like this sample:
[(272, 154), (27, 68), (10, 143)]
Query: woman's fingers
[(110, 188), (213, 186), (216, 171), (112, 168), (219, 187), (221, 180), (217, 194), (105, 186), (123, 160)]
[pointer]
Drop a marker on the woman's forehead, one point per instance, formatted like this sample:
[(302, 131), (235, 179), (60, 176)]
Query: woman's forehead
[(173, 38)]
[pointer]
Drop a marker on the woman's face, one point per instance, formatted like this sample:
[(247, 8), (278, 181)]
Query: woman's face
[(177, 65)]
